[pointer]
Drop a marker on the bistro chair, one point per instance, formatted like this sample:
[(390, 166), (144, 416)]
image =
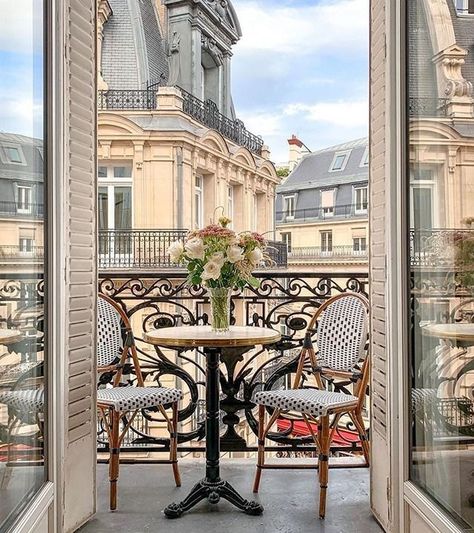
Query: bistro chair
[(120, 402), (341, 328)]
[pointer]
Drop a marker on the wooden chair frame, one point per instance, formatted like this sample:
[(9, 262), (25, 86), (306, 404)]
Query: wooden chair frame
[(326, 427), (111, 417)]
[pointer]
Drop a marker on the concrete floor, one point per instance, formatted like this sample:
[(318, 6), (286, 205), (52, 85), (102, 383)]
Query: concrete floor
[(290, 499)]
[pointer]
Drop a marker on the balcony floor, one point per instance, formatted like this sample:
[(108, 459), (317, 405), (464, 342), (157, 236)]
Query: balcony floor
[(290, 499)]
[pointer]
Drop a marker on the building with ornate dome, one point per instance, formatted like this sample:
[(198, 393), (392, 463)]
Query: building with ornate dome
[(171, 148)]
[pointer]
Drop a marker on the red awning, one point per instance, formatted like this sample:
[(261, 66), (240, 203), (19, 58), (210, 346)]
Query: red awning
[(300, 429)]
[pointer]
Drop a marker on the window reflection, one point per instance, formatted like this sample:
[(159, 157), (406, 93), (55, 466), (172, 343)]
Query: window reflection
[(441, 206), (22, 163)]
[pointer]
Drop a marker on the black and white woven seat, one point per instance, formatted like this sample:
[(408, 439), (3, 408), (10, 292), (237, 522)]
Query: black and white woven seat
[(132, 398), (119, 404), (309, 401), (341, 328), (26, 401)]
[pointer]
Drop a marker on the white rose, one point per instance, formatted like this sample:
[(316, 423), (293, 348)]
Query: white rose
[(211, 271), (218, 258), (195, 248), (235, 254), (255, 256), (175, 251)]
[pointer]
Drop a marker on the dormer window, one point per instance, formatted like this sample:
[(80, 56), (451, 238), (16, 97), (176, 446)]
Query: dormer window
[(339, 161), (13, 155), (327, 202), (365, 158), (289, 203)]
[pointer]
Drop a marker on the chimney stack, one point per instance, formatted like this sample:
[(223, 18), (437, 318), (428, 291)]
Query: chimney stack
[(296, 152)]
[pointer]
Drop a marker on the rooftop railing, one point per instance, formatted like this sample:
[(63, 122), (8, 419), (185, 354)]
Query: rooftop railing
[(207, 113), (144, 249), (321, 213), (118, 100), (428, 107), (18, 209)]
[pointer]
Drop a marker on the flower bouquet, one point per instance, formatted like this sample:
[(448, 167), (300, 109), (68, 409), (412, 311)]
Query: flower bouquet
[(220, 259)]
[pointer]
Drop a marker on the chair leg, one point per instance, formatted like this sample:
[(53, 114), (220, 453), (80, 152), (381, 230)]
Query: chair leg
[(174, 446), (359, 424), (7, 473), (114, 420), (324, 443), (261, 447)]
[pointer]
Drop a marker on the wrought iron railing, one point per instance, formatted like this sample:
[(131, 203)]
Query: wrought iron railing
[(117, 100), (323, 254), (207, 113), (283, 301), (21, 254), (320, 213), (436, 248), (148, 248), (428, 107), (21, 209)]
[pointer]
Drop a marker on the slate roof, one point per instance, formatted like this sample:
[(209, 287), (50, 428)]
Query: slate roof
[(464, 32), (30, 148), (133, 50), (313, 171)]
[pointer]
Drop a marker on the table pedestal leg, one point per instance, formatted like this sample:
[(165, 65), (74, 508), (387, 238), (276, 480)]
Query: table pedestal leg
[(212, 487)]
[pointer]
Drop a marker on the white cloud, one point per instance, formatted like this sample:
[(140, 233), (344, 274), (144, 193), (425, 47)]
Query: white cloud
[(21, 26), (347, 113), (330, 25)]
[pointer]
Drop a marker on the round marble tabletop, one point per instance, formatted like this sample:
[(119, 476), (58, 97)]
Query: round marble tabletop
[(8, 336), (455, 332), (203, 336)]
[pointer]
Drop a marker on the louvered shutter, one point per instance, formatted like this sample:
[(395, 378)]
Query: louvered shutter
[(80, 165), (380, 471)]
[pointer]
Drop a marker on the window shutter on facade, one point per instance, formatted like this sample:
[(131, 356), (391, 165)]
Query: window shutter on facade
[(380, 465), (80, 224)]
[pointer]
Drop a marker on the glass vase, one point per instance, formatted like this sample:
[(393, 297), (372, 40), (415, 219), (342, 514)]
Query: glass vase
[(220, 309)]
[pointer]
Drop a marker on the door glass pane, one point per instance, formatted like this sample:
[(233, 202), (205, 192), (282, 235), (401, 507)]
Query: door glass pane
[(122, 220), (22, 240), (441, 251)]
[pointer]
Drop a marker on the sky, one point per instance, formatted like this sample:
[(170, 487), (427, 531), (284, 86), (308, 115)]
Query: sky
[(301, 67), (21, 66)]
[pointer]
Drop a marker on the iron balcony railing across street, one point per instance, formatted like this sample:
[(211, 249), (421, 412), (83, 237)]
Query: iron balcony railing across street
[(323, 254), (428, 107), (311, 214), (148, 248), (207, 113)]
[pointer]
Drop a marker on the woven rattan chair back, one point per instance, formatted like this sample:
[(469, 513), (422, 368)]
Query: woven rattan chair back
[(342, 332), (109, 333)]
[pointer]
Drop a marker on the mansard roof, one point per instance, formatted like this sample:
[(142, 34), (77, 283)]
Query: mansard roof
[(133, 50), (31, 167), (314, 171)]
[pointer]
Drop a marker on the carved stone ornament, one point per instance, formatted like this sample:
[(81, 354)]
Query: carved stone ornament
[(210, 45), (450, 61)]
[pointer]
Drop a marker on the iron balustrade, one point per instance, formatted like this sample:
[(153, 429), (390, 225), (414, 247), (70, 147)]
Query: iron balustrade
[(121, 100), (336, 252), (149, 248), (436, 248), (320, 213), (428, 107), (207, 113), (17, 253), (21, 209), (284, 301)]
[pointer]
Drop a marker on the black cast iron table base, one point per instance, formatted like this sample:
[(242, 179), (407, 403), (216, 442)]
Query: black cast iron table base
[(212, 487), (213, 491)]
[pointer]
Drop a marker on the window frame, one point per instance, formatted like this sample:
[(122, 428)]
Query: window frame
[(286, 211), (28, 209), (362, 210), (326, 242), (286, 237), (5, 157), (341, 153), (324, 213), (198, 204)]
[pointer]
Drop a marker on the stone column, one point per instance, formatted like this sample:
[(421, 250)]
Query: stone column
[(226, 87), (196, 51)]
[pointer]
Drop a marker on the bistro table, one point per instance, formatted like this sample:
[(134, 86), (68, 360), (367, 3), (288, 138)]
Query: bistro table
[(9, 336), (212, 486), (461, 334)]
